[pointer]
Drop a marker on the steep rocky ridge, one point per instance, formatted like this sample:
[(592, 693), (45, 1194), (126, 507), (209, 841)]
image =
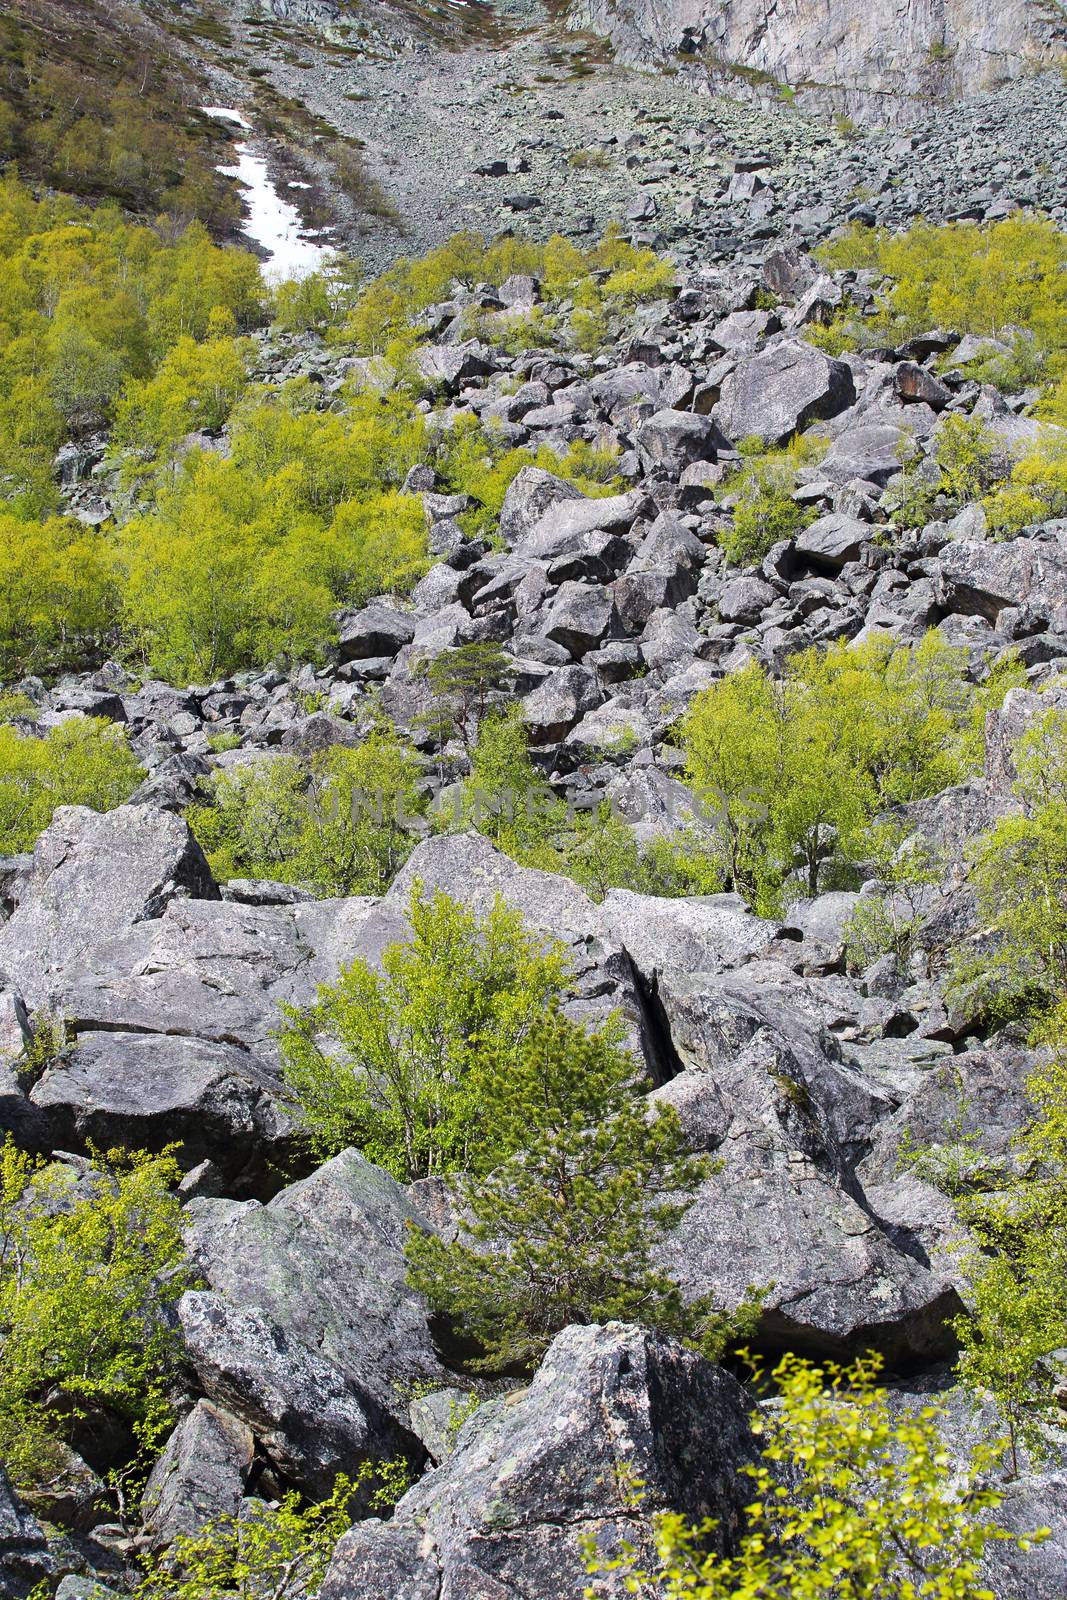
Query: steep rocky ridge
[(880, 62)]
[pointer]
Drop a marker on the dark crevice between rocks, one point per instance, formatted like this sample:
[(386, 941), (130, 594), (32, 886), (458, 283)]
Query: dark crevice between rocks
[(662, 1057)]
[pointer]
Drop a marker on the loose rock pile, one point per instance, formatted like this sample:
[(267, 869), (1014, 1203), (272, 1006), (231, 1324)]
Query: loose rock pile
[(307, 1351)]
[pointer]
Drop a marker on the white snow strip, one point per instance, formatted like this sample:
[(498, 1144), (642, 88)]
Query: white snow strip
[(227, 114), (272, 222)]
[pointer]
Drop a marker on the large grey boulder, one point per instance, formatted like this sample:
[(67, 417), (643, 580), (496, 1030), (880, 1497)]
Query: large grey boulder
[(25, 1560), (983, 578), (308, 1417), (578, 617), (551, 710), (377, 630), (871, 451), (670, 440), (148, 1091), (829, 542), (201, 1475), (317, 1276), (782, 389), (835, 1283), (95, 877), (530, 496), (452, 366), (534, 1472)]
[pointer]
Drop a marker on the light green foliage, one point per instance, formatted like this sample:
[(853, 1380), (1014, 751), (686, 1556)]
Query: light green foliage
[(395, 1061), (268, 1552), (995, 281), (83, 762), (886, 923), (319, 300), (1017, 1317), (195, 386), (87, 303), (89, 1271), (796, 770), (248, 557), (15, 706), (339, 825), (511, 803), (761, 494), (1037, 489), (852, 1499), (968, 462), (598, 284), (564, 1229), (101, 112), (1015, 1267), (58, 594), (1020, 878)]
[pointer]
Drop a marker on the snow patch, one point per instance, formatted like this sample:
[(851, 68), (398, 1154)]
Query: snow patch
[(271, 222)]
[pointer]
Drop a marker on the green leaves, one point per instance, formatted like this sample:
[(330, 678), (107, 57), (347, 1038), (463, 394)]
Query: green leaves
[(89, 1269), (793, 772), (563, 1230), (853, 1499), (1019, 871), (268, 1552), (340, 825), (83, 762), (395, 1062)]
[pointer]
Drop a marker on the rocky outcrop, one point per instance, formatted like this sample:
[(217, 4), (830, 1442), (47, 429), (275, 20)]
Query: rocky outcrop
[(532, 1474), (874, 61), (25, 1561)]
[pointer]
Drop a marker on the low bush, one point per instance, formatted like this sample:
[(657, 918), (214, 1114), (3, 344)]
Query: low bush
[(761, 492), (850, 1499), (394, 1061), (91, 1269), (83, 762), (339, 825)]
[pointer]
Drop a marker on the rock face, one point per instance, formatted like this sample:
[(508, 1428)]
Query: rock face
[(94, 877), (310, 1333), (201, 1475), (527, 1479), (773, 395), (25, 1561), (866, 59)]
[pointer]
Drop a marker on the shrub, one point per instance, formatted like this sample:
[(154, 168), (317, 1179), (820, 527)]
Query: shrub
[(850, 1499), (979, 280), (506, 799), (886, 923), (195, 386), (599, 282), (464, 679), (90, 1271), (473, 461), (1037, 489), (761, 492), (279, 1551), (247, 558), (1019, 873), (394, 1062), (337, 826), (564, 1230), (83, 762), (58, 595), (796, 770)]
